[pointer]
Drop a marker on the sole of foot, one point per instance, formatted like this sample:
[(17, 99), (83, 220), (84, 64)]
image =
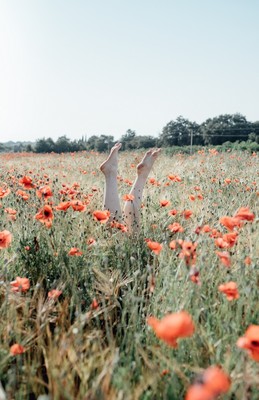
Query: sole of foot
[(111, 164), (144, 167)]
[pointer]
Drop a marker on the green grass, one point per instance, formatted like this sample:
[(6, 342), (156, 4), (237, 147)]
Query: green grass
[(75, 352)]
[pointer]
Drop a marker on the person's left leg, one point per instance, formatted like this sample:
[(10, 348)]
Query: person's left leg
[(111, 196)]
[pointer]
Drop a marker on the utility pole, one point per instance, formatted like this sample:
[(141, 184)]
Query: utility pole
[(191, 140)]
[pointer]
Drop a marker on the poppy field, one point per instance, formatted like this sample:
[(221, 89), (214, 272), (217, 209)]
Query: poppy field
[(89, 312)]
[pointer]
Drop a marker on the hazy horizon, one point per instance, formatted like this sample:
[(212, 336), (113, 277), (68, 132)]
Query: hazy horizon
[(90, 68)]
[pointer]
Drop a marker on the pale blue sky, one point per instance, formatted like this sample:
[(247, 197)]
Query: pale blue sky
[(80, 67)]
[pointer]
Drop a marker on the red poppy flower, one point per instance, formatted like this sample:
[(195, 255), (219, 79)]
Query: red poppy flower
[(101, 216), (216, 380), (172, 327), (26, 182), (78, 205), (74, 251), (173, 244), (10, 211), (128, 197), (63, 206), (175, 227), (54, 293), (195, 276), (188, 252), (187, 214), (155, 246), (5, 239), (165, 372), (128, 181), (215, 234), (174, 178), (22, 194), (244, 214), (250, 341), (154, 182), (94, 304), (20, 284), (91, 241), (230, 238), (45, 216), (248, 260), (121, 227), (45, 192), (198, 391), (16, 349), (227, 181), (4, 192), (172, 212), (206, 229), (164, 203), (221, 243), (230, 290), (212, 383), (224, 258), (230, 222)]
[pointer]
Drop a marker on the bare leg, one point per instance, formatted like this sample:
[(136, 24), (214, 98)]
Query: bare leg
[(132, 208), (111, 197)]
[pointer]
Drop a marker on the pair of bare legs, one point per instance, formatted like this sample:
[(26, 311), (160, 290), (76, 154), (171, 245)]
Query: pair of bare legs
[(131, 211)]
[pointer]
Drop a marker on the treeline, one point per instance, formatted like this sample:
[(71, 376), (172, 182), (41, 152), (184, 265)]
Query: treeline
[(179, 132)]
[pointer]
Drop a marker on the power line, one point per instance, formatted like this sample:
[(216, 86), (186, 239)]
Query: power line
[(209, 134)]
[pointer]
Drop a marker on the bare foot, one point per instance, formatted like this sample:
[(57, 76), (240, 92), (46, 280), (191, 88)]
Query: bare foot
[(110, 165), (144, 167)]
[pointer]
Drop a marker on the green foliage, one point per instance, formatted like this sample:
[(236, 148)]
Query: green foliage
[(62, 145), (44, 145), (225, 128), (176, 133), (180, 133)]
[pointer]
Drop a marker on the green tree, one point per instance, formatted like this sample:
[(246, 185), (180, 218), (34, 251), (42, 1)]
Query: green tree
[(2, 148), (29, 148), (104, 143), (180, 133), (44, 145), (227, 127), (254, 135), (143, 142), (91, 142), (62, 145), (127, 140)]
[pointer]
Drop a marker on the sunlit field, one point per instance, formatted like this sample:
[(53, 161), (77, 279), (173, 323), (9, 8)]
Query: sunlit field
[(87, 312)]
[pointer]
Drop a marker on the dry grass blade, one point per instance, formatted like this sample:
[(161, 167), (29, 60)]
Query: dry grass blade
[(110, 285)]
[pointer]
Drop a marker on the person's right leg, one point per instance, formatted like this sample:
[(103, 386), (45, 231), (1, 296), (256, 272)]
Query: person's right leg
[(132, 208)]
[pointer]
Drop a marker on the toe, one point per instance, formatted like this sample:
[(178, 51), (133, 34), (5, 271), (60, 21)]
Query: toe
[(156, 152)]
